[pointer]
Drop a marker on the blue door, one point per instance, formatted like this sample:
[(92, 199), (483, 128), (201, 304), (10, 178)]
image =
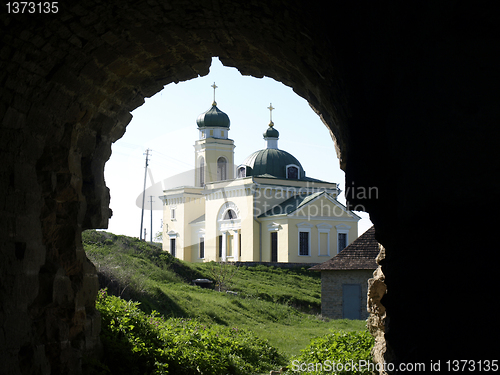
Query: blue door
[(351, 301)]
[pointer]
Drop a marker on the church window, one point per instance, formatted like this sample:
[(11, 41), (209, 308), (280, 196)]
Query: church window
[(229, 215), (221, 169), (211, 133), (303, 243), (202, 247), (342, 241), (202, 171), (242, 172), (292, 172), (222, 133), (172, 214)]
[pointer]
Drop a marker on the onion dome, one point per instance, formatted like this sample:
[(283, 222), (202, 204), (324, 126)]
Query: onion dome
[(271, 162), (271, 132), (213, 118)]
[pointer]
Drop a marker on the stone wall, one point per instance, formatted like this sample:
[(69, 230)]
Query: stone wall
[(376, 322), (331, 291)]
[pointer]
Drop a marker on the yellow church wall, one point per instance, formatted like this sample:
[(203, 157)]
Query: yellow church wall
[(212, 210), (280, 226), (321, 212), (174, 225), (166, 223), (194, 249), (293, 242), (253, 244), (211, 236), (283, 243), (211, 149), (231, 192), (191, 203), (314, 233), (188, 204)]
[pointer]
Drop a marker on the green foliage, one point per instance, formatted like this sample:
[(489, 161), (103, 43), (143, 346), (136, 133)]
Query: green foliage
[(138, 343), (336, 347), (279, 304)]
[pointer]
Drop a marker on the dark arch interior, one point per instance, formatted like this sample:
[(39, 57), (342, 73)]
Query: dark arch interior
[(409, 93)]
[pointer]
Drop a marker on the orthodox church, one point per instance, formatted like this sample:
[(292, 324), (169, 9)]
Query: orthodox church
[(264, 209)]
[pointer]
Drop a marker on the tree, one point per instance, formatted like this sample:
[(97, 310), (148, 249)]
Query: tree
[(222, 273), (158, 237)]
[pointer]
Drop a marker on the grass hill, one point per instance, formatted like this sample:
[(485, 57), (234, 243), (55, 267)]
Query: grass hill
[(280, 305)]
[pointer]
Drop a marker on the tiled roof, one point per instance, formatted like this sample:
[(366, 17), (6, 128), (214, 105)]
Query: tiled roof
[(359, 255)]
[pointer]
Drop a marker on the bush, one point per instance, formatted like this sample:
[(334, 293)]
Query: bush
[(137, 343), (335, 348)]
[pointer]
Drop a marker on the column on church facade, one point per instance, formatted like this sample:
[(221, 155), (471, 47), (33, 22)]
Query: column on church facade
[(224, 246), (236, 247)]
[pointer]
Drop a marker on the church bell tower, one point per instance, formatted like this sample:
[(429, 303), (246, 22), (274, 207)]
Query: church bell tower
[(214, 151)]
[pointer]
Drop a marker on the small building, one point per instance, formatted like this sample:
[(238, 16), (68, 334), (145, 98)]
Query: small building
[(344, 278)]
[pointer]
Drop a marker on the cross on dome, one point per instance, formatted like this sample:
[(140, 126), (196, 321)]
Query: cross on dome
[(214, 86), (271, 123)]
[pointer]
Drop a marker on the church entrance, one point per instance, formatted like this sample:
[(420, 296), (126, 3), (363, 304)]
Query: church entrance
[(274, 246), (172, 246)]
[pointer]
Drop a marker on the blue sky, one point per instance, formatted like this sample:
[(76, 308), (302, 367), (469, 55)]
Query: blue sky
[(166, 124)]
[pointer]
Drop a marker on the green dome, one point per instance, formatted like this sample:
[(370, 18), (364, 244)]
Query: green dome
[(271, 132), (213, 118), (273, 162)]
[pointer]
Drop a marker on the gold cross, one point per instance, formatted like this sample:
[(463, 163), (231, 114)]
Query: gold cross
[(271, 114), (214, 86)]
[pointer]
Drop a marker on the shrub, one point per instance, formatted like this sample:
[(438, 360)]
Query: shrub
[(343, 348), (138, 343)]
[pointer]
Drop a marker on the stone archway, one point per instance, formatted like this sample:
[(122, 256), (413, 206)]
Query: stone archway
[(404, 91)]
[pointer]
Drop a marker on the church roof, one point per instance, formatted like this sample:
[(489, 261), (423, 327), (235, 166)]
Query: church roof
[(213, 118), (359, 255), (270, 161), (291, 204), (198, 220)]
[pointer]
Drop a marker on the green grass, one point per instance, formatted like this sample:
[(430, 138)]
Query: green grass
[(280, 305), (138, 343)]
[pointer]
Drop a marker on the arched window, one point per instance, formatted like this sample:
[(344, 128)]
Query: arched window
[(221, 169), (230, 214), (242, 172), (202, 171), (292, 172)]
